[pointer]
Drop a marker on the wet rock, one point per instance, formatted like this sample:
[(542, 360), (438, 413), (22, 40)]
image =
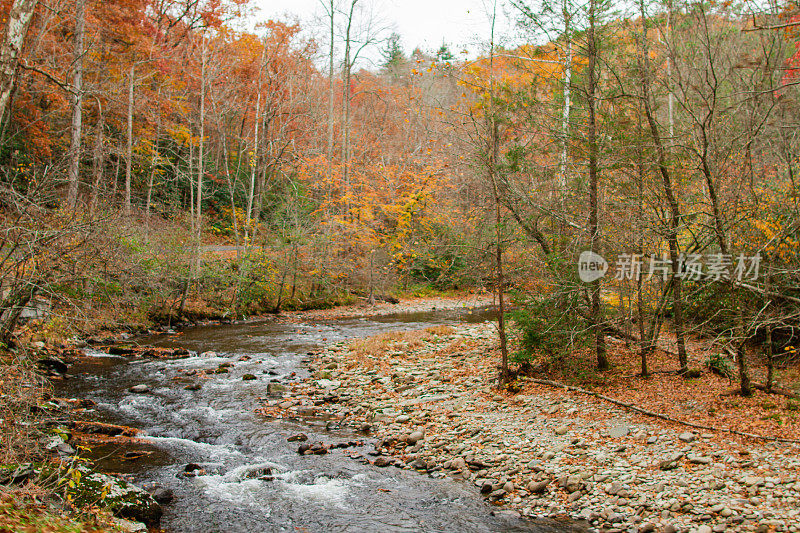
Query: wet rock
[(140, 389), (316, 448), (192, 470), (248, 377), (276, 388), (162, 495), (300, 437), (260, 473), (53, 364), (193, 387), (365, 427), (383, 461)]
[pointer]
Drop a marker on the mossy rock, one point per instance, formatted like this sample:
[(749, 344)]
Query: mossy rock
[(119, 497), (16, 473)]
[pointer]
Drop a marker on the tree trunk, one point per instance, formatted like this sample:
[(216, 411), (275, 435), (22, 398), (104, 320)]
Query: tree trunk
[(18, 20), (129, 142), (73, 172), (672, 202), (768, 337), (494, 153), (346, 105), (564, 162), (201, 155), (330, 100), (98, 157), (153, 163), (746, 387), (594, 225)]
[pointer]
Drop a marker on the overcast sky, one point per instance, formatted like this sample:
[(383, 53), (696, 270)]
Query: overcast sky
[(463, 24)]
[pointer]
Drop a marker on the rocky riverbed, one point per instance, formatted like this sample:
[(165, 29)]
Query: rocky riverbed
[(428, 398)]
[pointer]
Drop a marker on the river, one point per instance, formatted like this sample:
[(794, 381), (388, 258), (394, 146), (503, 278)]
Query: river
[(217, 427)]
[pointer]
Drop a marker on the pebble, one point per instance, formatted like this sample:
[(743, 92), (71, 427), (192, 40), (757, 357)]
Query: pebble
[(516, 449)]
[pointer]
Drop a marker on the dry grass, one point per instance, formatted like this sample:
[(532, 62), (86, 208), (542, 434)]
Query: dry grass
[(367, 352), (440, 330), (20, 514), (21, 388)]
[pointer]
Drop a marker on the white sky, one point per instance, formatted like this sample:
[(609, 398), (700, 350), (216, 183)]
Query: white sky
[(463, 24)]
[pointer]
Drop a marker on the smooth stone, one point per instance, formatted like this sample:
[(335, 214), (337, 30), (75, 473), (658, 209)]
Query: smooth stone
[(618, 432)]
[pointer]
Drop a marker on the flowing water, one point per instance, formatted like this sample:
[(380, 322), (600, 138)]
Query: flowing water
[(218, 428)]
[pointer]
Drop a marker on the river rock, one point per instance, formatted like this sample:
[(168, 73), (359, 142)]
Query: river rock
[(192, 470), (383, 461), (53, 364), (537, 487), (415, 437), (687, 436), (162, 495), (121, 498), (275, 388), (140, 389), (248, 377), (300, 437), (128, 526), (618, 432)]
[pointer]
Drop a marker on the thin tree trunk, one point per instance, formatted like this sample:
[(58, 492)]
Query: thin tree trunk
[(201, 155), (768, 336), (745, 385), (98, 157), (564, 162), (73, 171), (190, 177), (672, 202), (330, 99), (253, 168), (594, 225), (129, 142), (153, 162), (494, 153), (346, 111), (640, 174)]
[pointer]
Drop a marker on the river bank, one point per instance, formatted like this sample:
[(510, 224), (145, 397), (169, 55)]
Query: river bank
[(194, 413), (428, 396)]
